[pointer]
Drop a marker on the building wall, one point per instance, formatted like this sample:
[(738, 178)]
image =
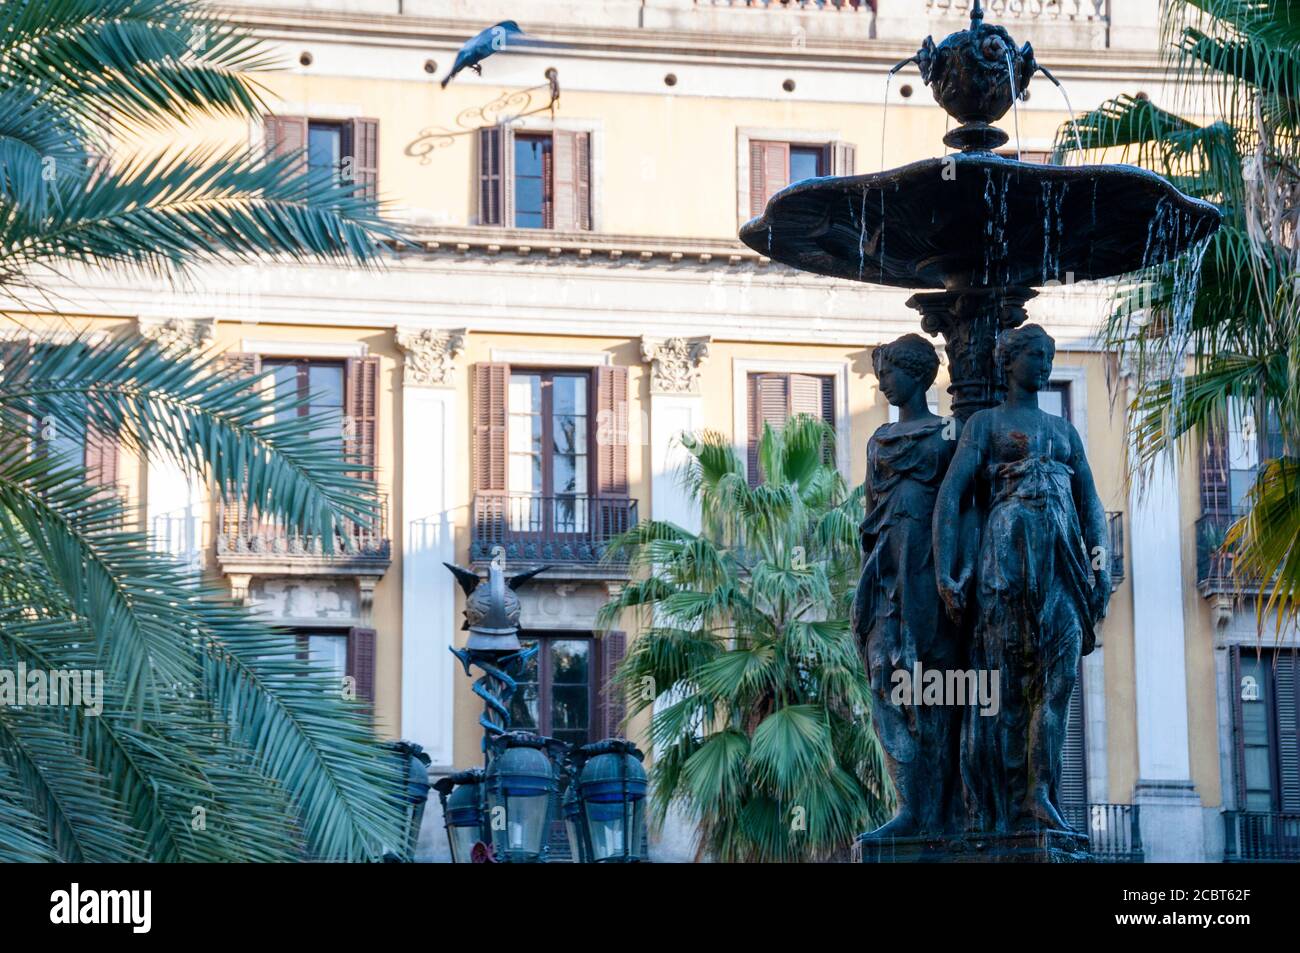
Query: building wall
[(663, 261)]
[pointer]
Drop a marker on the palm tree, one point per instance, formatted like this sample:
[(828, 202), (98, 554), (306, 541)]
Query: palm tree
[(762, 728), (214, 742), (1238, 60)]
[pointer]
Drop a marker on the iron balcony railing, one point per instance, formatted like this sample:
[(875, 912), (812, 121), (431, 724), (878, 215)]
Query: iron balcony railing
[(834, 6), (1215, 562), (1114, 831), (244, 533), (1252, 836), (560, 530), (1115, 523)]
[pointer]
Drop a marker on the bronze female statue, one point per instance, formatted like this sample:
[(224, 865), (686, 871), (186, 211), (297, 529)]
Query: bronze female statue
[(897, 615), (1041, 583)]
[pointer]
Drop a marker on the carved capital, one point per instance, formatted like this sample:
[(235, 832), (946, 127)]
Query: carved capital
[(675, 363), (366, 598), (1222, 609), (429, 355), (184, 333)]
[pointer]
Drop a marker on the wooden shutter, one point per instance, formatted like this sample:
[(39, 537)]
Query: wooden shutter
[(496, 186), (361, 399), (287, 135), (101, 457), (611, 431), (234, 505), (1238, 726), (814, 396), (769, 403), (14, 357), (844, 156), (361, 145), (491, 387), (769, 172), (361, 662), (1216, 494), (571, 181), (1286, 684), (1072, 792), (611, 707)]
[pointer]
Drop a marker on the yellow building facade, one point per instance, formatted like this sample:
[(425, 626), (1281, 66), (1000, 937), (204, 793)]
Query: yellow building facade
[(576, 299)]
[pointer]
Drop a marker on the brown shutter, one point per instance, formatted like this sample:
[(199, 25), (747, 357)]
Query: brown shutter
[(1238, 725), (362, 148), (14, 357), (287, 135), (361, 398), (361, 662), (843, 158), (611, 431), (769, 172), (768, 403), (491, 385), (496, 187), (1216, 494), (571, 181), (806, 396), (611, 707), (234, 506), (101, 457), (1072, 793), (1286, 684)]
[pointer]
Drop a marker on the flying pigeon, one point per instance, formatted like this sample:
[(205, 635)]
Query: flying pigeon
[(491, 40)]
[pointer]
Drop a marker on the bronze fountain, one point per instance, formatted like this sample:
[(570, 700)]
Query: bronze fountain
[(985, 544)]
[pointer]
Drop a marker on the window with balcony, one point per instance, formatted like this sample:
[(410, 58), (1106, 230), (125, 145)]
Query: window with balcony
[(774, 164), (1266, 740), (535, 179), (344, 395), (347, 148), (550, 462)]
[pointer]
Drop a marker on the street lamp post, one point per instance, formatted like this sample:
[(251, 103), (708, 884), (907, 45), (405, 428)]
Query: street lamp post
[(508, 806)]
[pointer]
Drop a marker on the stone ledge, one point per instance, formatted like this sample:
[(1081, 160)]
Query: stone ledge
[(1028, 847)]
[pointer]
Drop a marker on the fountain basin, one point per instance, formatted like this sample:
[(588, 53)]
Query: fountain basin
[(979, 220)]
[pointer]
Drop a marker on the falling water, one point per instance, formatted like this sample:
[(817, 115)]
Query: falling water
[(1074, 126), (1015, 100), (862, 238)]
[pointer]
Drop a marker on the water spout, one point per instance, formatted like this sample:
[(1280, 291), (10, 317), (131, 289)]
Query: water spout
[(1015, 99), (1074, 126)]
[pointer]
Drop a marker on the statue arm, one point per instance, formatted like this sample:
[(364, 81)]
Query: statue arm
[(1092, 520), (952, 566)]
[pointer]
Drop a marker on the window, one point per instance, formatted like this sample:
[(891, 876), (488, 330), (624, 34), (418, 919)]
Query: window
[(343, 653), (773, 165), (535, 179), (348, 147), (1266, 728), (1055, 399), (547, 444), (318, 385), (556, 694), (775, 398)]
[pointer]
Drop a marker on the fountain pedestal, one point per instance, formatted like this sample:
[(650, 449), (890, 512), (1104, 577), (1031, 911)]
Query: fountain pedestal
[(1026, 847)]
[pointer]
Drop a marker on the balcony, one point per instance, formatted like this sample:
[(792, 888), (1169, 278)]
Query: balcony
[(247, 542), (1115, 523), (1215, 564), (1254, 837), (563, 531), (1113, 830)]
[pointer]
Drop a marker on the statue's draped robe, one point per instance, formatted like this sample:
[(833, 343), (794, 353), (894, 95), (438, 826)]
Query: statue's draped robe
[(1033, 591), (898, 617)]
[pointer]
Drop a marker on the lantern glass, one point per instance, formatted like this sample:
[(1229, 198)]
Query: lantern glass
[(464, 821), (613, 789), (520, 794)]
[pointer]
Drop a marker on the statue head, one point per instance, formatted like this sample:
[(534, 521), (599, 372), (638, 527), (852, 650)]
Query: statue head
[(1025, 356), (905, 367)]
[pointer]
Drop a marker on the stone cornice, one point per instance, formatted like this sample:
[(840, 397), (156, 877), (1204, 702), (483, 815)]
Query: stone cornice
[(595, 247), (813, 52), (179, 332)]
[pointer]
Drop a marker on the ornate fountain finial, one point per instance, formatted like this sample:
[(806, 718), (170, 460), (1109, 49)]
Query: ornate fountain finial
[(492, 612), (976, 14)]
